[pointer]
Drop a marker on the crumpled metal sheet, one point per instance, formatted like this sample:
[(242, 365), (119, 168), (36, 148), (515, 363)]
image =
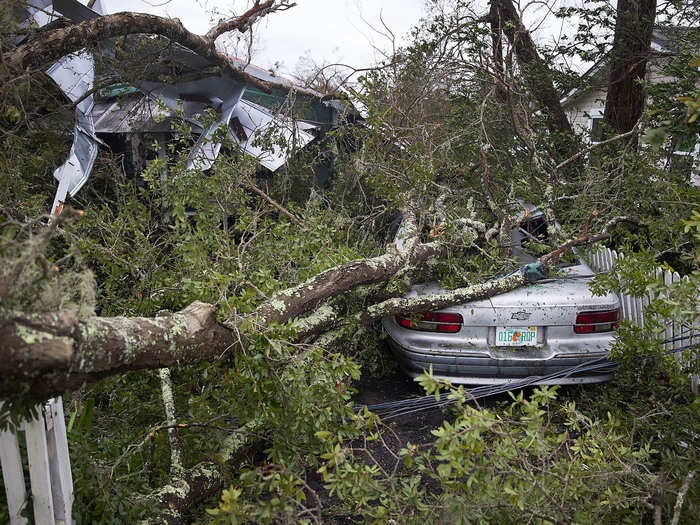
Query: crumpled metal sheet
[(139, 114), (206, 149), (192, 98), (254, 123), (75, 75), (76, 11), (38, 12)]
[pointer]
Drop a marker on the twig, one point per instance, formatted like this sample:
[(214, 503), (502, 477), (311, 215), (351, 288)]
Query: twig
[(681, 496), (618, 220), (597, 145), (584, 238), (243, 22), (588, 222), (278, 206), (258, 290)]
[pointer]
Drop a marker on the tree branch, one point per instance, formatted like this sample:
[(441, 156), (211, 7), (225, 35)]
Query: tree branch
[(60, 42), (247, 19), (281, 208), (681, 497), (597, 145)]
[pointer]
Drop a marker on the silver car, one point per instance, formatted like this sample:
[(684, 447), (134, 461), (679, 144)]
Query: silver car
[(536, 330)]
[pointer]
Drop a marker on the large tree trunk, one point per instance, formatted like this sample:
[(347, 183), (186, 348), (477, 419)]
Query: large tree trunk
[(633, 28), (536, 73)]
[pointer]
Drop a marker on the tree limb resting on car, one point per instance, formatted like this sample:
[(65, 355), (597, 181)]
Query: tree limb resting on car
[(42, 354)]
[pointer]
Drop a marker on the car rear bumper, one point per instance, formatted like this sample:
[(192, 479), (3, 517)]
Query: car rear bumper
[(487, 370)]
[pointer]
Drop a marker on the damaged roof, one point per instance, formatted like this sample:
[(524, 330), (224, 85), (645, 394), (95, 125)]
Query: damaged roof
[(150, 104)]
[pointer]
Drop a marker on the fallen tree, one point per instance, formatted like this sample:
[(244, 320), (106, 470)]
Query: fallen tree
[(47, 353), (44, 354)]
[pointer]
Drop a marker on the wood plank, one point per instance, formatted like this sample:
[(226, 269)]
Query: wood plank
[(630, 306), (13, 477), (39, 471), (640, 310), (59, 461)]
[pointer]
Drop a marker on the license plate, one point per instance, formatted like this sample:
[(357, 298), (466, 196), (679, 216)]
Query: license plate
[(516, 336)]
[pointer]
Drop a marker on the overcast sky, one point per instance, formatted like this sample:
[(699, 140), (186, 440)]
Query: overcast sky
[(330, 31), (327, 30)]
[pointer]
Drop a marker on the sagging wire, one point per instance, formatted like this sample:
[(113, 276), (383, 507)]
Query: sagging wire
[(394, 409)]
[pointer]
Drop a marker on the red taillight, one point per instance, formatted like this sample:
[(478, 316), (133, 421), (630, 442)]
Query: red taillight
[(590, 322), (432, 322)]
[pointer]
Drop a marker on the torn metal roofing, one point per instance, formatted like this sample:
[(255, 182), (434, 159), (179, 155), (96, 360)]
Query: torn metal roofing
[(253, 123), (184, 97), (206, 149), (75, 75), (269, 77), (140, 114)]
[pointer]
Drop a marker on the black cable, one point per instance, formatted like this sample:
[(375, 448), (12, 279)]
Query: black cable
[(399, 408)]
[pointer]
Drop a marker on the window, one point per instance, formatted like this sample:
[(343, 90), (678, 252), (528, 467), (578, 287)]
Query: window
[(595, 128), (684, 152)]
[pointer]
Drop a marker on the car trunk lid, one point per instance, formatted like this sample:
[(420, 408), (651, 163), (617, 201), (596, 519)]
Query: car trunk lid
[(552, 303)]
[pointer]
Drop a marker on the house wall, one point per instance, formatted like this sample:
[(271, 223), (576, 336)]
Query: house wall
[(590, 104), (585, 107)]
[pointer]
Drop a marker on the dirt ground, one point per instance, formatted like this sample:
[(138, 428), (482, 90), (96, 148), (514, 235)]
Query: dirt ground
[(413, 427)]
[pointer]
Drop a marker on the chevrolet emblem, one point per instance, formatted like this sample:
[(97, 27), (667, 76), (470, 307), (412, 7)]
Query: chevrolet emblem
[(521, 315)]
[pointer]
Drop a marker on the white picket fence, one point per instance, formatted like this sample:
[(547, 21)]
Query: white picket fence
[(677, 334), (50, 477)]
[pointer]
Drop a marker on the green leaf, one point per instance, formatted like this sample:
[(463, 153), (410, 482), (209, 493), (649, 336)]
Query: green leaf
[(444, 470), (323, 434)]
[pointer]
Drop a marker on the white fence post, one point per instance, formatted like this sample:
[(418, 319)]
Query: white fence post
[(39, 470), (59, 461), (50, 475), (13, 476)]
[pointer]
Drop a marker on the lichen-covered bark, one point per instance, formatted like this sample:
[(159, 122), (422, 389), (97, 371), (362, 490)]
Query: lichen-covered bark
[(429, 303), (194, 485), (176, 466), (189, 487), (43, 354), (292, 302)]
